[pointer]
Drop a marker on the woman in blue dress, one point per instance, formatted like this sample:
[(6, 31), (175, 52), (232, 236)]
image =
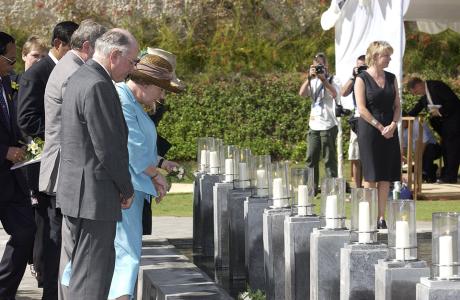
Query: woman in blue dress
[(154, 73)]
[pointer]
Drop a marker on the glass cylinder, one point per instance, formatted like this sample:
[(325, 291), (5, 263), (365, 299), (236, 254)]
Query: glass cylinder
[(302, 190), (402, 235), (229, 152), (279, 184), (203, 149), (364, 205), (333, 203), (242, 166), (260, 175), (445, 243), (215, 156)]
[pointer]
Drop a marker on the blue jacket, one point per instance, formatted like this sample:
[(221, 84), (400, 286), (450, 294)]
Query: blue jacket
[(142, 138)]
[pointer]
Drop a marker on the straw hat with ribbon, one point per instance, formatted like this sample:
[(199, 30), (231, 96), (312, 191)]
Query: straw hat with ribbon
[(158, 67)]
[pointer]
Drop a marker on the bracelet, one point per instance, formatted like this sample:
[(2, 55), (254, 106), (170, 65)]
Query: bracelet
[(374, 122), (160, 163)]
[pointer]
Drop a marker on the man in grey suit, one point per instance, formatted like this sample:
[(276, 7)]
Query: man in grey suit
[(82, 44), (94, 181)]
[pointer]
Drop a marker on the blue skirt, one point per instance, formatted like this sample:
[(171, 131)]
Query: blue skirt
[(128, 246)]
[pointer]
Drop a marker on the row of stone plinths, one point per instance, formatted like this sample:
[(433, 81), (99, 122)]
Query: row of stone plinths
[(287, 257)]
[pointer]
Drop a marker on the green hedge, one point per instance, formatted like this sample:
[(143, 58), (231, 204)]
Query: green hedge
[(264, 114)]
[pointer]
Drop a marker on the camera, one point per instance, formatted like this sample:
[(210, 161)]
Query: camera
[(340, 111), (359, 70), (319, 69)]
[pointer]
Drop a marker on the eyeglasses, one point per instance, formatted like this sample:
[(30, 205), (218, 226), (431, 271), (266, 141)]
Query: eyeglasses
[(9, 60), (134, 62)]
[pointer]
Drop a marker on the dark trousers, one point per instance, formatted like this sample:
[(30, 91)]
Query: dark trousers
[(322, 141), (17, 220), (430, 154), (47, 244), (451, 152)]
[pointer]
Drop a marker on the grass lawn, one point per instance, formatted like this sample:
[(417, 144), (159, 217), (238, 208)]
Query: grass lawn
[(180, 205)]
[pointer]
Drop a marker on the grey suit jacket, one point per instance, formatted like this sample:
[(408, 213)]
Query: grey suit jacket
[(49, 166), (94, 154)]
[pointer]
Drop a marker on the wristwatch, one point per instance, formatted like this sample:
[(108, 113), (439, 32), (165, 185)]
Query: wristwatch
[(374, 122)]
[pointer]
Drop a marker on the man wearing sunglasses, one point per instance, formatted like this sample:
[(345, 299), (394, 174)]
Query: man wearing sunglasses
[(31, 121), (15, 209)]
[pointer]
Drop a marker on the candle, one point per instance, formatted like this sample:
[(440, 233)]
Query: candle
[(364, 223), (331, 211), (228, 170), (213, 163), (262, 188), (244, 178), (402, 240), (278, 200), (302, 195), (445, 256), (203, 160)]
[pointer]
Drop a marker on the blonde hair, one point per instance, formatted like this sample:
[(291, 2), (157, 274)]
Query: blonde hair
[(377, 47), (34, 42)]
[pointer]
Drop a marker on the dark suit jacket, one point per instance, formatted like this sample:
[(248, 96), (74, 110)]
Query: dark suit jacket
[(94, 147), (31, 111), (10, 181), (441, 94)]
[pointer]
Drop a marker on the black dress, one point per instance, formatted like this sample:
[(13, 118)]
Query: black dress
[(380, 157)]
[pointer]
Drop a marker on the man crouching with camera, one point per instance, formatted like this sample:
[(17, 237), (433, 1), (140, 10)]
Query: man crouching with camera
[(321, 87)]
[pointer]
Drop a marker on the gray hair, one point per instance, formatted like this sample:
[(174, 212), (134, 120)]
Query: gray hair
[(118, 39), (88, 30)]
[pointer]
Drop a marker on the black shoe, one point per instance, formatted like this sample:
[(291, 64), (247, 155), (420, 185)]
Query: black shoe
[(446, 180), (381, 224)]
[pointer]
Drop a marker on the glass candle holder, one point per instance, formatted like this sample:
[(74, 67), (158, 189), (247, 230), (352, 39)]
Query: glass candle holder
[(364, 206), (302, 190), (279, 184), (260, 175), (402, 235), (203, 149), (215, 156), (242, 166), (333, 203), (445, 245), (229, 152)]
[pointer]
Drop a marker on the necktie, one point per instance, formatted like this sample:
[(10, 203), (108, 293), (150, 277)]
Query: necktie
[(4, 108)]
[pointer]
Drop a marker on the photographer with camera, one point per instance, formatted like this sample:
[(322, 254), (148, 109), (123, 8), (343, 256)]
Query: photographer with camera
[(353, 148), (322, 133)]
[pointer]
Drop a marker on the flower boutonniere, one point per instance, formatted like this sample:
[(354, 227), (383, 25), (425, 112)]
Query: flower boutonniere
[(15, 86)]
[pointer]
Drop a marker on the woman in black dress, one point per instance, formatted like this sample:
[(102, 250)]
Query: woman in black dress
[(378, 103)]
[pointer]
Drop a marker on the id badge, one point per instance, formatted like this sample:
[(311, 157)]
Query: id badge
[(316, 110)]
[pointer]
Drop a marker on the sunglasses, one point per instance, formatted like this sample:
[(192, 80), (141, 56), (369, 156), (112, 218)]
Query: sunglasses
[(9, 60)]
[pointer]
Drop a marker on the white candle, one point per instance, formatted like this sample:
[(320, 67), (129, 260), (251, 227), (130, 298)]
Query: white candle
[(445, 256), (364, 223), (244, 177), (402, 240), (213, 163), (278, 194), (228, 170), (262, 188), (302, 195), (331, 213), (203, 160)]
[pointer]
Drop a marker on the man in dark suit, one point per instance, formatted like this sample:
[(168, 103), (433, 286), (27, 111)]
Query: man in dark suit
[(31, 120), (15, 209), (444, 107), (94, 180)]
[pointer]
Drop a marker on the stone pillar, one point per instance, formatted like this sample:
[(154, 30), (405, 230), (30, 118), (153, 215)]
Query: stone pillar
[(297, 230), (325, 248), (254, 245), (396, 280), (438, 289), (357, 270), (220, 195), (197, 228), (235, 203), (207, 182), (274, 262)]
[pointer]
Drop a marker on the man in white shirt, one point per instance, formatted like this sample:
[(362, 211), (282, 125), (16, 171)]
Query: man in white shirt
[(324, 92)]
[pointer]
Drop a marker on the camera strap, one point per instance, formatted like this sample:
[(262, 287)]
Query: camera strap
[(320, 89)]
